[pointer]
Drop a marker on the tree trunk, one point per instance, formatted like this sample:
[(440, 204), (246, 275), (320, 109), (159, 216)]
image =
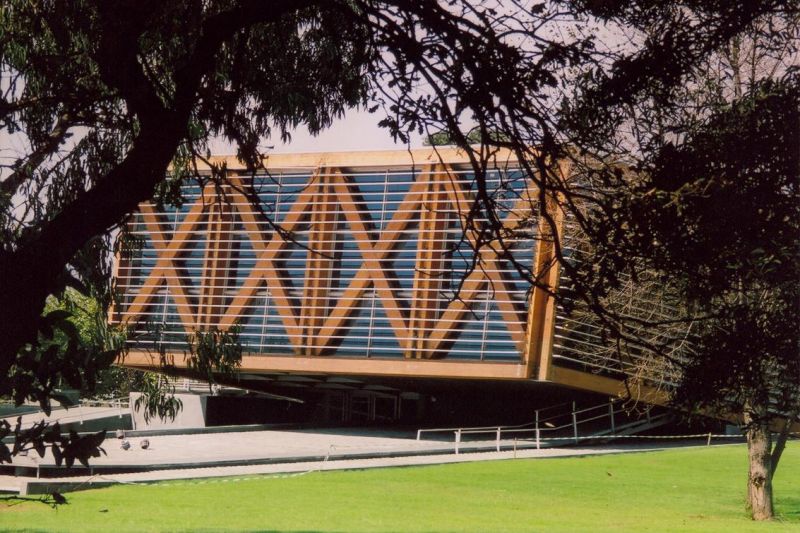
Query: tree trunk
[(759, 482), (29, 274)]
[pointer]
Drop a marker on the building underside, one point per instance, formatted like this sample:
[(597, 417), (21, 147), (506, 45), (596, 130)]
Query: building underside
[(350, 275)]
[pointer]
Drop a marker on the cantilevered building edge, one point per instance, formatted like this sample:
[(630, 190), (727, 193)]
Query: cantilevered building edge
[(356, 264)]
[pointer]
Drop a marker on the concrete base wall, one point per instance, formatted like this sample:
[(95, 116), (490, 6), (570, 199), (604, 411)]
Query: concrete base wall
[(193, 414), (109, 423)]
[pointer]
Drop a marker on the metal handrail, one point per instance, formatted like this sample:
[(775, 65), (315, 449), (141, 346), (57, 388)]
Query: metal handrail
[(503, 428), (609, 408), (116, 404), (478, 429), (122, 401)]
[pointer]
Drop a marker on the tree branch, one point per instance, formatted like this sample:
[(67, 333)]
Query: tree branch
[(24, 167), (780, 443)]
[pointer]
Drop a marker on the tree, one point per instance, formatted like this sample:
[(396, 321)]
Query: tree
[(727, 221), (105, 99), (708, 201), (473, 136)]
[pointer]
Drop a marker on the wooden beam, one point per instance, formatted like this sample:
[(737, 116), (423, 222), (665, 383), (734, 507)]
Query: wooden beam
[(320, 262), (373, 270), (265, 272), (542, 311), (449, 321), (393, 159), (352, 366), (486, 275), (165, 271), (605, 385), (650, 395), (216, 262), (416, 368), (429, 266)]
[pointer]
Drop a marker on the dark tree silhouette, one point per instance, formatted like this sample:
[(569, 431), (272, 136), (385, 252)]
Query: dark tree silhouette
[(698, 187)]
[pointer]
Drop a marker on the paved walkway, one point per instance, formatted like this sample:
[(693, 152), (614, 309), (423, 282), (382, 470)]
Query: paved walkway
[(190, 449), (174, 457)]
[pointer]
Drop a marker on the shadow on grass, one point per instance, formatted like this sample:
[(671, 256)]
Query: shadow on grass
[(788, 507), (53, 499)]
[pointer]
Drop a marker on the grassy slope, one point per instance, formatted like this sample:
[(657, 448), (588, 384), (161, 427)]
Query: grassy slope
[(679, 490)]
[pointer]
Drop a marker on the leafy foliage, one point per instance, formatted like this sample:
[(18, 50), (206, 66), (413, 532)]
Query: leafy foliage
[(211, 353), (215, 352), (692, 182), (685, 177), (720, 223), (474, 136), (75, 345), (66, 449), (157, 398), (729, 227)]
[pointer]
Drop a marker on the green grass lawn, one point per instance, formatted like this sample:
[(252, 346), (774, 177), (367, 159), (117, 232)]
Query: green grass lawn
[(699, 489)]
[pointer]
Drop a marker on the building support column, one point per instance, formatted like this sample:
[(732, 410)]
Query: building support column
[(430, 265), (216, 263), (321, 262), (542, 308)]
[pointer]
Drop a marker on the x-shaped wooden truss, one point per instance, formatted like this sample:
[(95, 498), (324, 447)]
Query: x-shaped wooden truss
[(315, 326)]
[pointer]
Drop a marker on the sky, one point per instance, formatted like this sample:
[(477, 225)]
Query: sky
[(357, 131)]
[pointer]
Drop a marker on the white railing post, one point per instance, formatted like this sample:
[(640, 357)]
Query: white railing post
[(419, 434), (611, 414), (458, 440), (575, 426), (538, 443), (498, 439)]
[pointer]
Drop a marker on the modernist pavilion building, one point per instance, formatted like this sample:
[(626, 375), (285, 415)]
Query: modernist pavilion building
[(352, 281)]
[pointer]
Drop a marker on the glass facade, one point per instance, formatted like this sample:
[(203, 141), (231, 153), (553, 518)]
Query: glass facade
[(341, 263)]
